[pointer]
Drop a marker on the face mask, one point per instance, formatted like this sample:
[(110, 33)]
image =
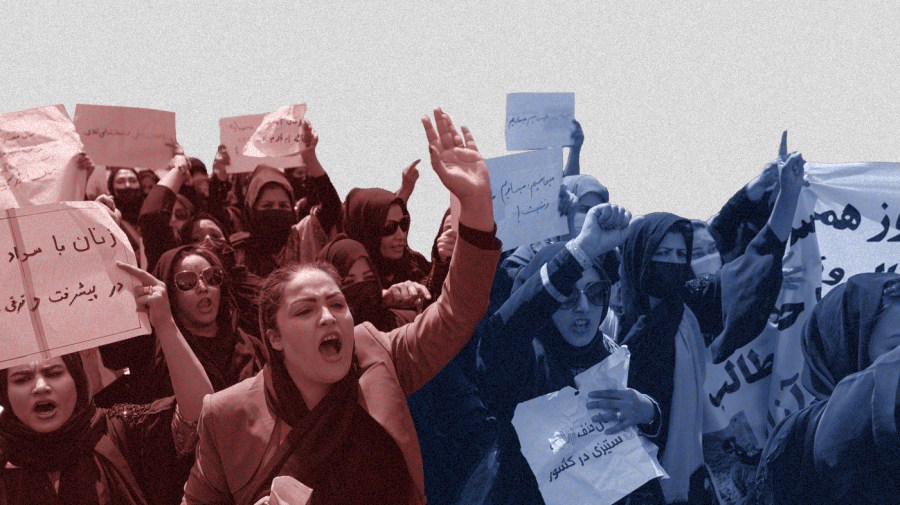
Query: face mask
[(271, 228), (666, 280), (129, 202), (709, 264), (364, 299)]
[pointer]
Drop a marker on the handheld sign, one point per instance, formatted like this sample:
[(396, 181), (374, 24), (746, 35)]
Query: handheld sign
[(525, 191), (573, 458), (278, 134), (37, 154), (234, 132), (60, 288), (126, 136), (539, 120)]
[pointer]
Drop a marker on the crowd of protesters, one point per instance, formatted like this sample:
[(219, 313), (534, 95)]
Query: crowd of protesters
[(298, 335)]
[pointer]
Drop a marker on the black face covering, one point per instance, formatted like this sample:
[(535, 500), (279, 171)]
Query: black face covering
[(271, 228), (364, 299), (129, 202), (666, 280)]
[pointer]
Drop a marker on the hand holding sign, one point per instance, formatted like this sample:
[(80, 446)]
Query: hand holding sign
[(627, 406)]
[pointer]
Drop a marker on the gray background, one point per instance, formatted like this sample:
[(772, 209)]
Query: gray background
[(681, 102)]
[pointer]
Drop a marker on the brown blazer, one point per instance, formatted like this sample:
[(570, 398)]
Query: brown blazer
[(238, 432)]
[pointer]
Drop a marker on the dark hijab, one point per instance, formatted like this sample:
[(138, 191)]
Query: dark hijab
[(844, 447), (322, 449), (365, 212), (270, 228), (128, 201), (565, 360), (836, 336), (364, 298), (79, 450), (232, 355), (55, 450), (649, 332)]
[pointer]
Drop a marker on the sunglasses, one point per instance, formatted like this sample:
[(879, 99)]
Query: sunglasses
[(597, 294), (390, 227), (187, 280)]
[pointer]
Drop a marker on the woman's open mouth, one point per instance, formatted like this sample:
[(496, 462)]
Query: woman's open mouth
[(205, 304), (581, 325), (45, 409), (331, 347)]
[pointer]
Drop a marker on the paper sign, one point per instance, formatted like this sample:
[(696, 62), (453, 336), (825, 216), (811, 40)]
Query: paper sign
[(278, 134), (234, 132), (287, 490), (126, 136), (38, 149), (525, 191), (573, 459), (539, 120), (60, 288)]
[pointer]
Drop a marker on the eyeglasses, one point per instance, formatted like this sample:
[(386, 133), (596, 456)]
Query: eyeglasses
[(187, 280), (597, 294), (390, 227)]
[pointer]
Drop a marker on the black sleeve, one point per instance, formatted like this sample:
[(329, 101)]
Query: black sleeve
[(157, 235), (737, 223), (321, 190)]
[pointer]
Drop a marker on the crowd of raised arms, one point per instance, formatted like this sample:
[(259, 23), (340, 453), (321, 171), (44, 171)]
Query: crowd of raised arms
[(300, 344)]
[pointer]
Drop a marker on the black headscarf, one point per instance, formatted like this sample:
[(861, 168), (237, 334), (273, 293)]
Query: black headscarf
[(58, 449), (836, 336), (566, 360), (322, 448), (365, 212), (269, 229), (364, 298), (650, 332), (230, 356), (128, 201), (842, 448)]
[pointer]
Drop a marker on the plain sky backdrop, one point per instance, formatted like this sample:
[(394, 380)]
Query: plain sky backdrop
[(681, 102)]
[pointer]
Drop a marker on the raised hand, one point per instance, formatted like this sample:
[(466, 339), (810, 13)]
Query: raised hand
[(605, 227), (790, 174), (150, 296), (221, 162), (461, 169), (577, 135), (411, 174), (110, 205), (445, 244)]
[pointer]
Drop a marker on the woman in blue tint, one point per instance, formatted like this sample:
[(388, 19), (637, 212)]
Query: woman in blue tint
[(844, 448)]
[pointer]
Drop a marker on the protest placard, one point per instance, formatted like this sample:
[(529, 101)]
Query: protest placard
[(846, 223), (525, 191), (573, 458), (61, 289), (278, 134), (38, 149), (539, 120), (126, 136), (234, 132)]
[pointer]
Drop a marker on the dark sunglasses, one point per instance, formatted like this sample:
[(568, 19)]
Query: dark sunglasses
[(597, 294), (187, 280), (390, 227)]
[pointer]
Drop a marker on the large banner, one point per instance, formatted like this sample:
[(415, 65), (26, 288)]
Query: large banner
[(60, 288), (847, 222)]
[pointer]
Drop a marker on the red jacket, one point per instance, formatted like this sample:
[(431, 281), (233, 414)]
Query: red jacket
[(239, 432)]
